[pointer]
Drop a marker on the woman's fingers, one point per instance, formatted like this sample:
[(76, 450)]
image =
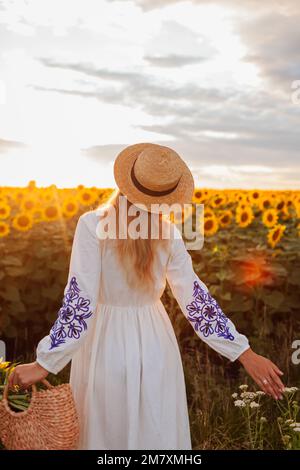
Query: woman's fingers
[(265, 373), (276, 380), (264, 386), (277, 370), (270, 389), (276, 390)]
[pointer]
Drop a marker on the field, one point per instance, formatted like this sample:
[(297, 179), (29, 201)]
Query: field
[(250, 262)]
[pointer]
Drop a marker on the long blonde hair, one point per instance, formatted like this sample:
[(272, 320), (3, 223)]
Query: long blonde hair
[(137, 255)]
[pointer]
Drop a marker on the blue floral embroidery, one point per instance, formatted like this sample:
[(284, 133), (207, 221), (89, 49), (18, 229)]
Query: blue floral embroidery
[(205, 312), (71, 317)]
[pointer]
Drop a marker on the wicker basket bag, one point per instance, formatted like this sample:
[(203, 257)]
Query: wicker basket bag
[(49, 423)]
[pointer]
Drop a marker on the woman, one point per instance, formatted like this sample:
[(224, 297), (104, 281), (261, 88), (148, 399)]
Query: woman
[(126, 371)]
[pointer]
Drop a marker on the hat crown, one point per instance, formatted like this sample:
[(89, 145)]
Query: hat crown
[(158, 168)]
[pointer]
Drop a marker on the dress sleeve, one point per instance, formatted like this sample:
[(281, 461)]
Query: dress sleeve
[(79, 302), (198, 306)]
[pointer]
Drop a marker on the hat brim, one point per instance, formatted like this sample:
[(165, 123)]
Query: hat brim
[(182, 194)]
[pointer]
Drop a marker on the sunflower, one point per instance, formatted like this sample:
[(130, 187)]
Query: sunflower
[(3, 199), (51, 212), (87, 197), (48, 194), (270, 217), (286, 213), (38, 215), (297, 209), (3, 364), (241, 198), (17, 195), (275, 234), (225, 218), (211, 226), (254, 196), (181, 216), (4, 229), (244, 217), (218, 200), (4, 210), (28, 204), (280, 204), (198, 196), (22, 222), (242, 206), (208, 213), (265, 202), (70, 207)]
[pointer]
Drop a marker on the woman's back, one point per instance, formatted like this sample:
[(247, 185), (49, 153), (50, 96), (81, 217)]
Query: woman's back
[(114, 286), (114, 289)]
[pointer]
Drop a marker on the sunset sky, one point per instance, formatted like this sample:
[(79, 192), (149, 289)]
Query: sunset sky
[(82, 79)]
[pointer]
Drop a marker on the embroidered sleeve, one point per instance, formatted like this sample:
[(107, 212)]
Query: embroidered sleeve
[(199, 307), (72, 316), (77, 311)]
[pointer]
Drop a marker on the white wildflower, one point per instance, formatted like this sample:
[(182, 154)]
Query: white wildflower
[(248, 395), (239, 403), (290, 389), (296, 429), (289, 421), (253, 404), (260, 393), (294, 424), (243, 387), (263, 419), (234, 395)]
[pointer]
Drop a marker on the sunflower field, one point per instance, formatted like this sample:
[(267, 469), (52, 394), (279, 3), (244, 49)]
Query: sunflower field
[(250, 261)]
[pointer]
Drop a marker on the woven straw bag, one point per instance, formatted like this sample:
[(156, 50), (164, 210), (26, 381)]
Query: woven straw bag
[(49, 423)]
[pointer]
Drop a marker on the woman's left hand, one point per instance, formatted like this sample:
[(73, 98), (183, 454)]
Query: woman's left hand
[(26, 374), (265, 373)]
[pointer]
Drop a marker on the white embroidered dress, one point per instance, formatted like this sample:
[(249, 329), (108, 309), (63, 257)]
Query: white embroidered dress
[(126, 372)]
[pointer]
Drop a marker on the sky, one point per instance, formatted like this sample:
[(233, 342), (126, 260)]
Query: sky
[(215, 80)]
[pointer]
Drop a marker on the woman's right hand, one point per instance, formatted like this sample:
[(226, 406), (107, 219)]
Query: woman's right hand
[(264, 372), (26, 374)]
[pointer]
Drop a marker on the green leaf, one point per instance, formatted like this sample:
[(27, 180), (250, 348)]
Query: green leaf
[(222, 275), (226, 295), (240, 303), (274, 299)]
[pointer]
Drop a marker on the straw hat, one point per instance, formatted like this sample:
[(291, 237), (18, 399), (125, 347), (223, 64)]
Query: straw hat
[(153, 174)]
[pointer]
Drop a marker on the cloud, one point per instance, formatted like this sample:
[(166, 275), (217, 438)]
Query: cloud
[(221, 165), (194, 112), (134, 88), (273, 42), (180, 78), (6, 145), (104, 153), (289, 6), (173, 60)]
